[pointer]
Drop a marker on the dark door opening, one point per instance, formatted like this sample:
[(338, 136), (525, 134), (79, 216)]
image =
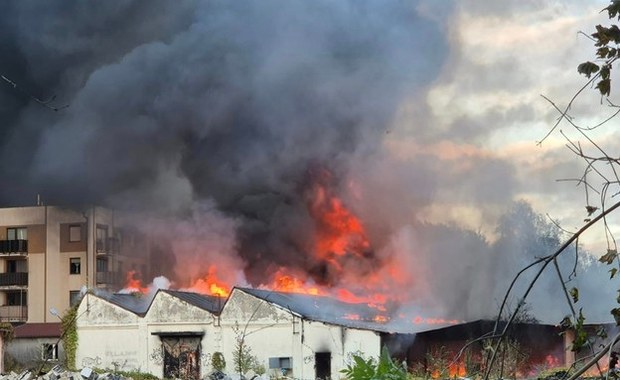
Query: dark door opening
[(181, 357), (323, 365)]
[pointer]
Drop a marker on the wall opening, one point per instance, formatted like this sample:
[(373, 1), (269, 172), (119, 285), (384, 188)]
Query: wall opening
[(323, 365), (181, 357)]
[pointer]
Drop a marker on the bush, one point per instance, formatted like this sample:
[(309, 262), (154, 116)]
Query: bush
[(218, 362), (372, 369)]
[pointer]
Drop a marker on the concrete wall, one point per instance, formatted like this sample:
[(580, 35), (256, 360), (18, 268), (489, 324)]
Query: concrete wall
[(108, 336), (168, 314), (113, 338), (28, 352), (273, 332)]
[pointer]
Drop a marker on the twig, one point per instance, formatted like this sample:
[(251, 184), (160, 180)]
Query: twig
[(44, 103)]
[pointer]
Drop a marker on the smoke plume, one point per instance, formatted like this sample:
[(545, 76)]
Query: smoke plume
[(218, 118)]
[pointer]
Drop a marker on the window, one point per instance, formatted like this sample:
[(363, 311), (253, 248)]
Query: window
[(49, 351), (74, 297), (75, 233), (102, 265), (283, 363), (16, 266), (20, 233), (16, 298), (74, 265), (102, 237)]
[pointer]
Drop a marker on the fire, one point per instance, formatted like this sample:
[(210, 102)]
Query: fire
[(339, 232), (552, 361), (210, 284), (133, 284), (457, 370), (353, 317), (381, 319), (342, 263), (418, 320), (284, 280)]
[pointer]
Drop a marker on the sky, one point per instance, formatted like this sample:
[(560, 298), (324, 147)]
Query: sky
[(222, 117)]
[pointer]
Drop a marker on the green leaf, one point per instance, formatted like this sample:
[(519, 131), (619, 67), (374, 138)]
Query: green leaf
[(602, 52), (612, 272), (604, 87), (609, 257), (588, 68), (604, 36), (566, 323), (581, 337), (574, 293), (605, 71), (613, 9)]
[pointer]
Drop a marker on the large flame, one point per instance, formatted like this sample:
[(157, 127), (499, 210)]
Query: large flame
[(133, 284), (211, 284), (338, 231), (348, 268)]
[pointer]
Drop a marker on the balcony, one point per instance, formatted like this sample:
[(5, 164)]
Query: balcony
[(109, 246), (109, 278), (13, 247), (16, 279), (13, 313)]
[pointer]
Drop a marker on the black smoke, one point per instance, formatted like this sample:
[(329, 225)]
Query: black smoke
[(171, 105)]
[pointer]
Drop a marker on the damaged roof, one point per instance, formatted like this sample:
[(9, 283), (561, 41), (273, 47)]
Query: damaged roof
[(134, 302), (313, 308), (139, 304), (212, 304), (336, 312)]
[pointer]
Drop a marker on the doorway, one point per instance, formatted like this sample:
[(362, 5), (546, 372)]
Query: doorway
[(323, 365), (181, 357)]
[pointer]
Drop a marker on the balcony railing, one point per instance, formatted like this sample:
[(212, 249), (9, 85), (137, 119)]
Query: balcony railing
[(13, 313), (14, 279), (109, 246), (13, 246), (109, 278)]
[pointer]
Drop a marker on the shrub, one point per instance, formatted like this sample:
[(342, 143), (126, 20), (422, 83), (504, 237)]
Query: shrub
[(371, 369), (218, 362)]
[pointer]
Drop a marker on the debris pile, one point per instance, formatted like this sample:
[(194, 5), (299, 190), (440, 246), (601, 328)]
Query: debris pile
[(60, 373)]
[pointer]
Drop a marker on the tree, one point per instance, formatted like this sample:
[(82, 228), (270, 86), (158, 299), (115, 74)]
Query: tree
[(244, 359), (600, 180)]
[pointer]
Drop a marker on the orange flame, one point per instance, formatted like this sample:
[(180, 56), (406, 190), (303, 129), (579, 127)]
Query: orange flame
[(340, 240), (551, 361), (457, 370), (210, 284), (381, 319), (338, 231), (133, 284)]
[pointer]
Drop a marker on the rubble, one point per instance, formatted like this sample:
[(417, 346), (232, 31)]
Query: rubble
[(60, 373)]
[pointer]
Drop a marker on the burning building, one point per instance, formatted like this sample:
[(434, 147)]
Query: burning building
[(176, 334)]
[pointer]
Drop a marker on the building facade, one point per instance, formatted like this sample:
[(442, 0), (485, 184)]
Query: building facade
[(174, 334), (48, 254)]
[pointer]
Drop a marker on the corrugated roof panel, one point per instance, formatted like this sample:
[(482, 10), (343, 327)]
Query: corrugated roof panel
[(211, 304), (332, 311)]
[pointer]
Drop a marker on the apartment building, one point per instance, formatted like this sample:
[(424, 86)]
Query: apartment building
[(48, 254)]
